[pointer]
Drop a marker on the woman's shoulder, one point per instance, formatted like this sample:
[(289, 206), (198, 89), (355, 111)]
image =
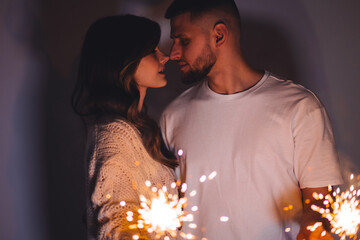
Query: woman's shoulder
[(113, 132), (115, 125)]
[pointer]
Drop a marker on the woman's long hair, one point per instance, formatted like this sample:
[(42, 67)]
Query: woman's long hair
[(111, 53)]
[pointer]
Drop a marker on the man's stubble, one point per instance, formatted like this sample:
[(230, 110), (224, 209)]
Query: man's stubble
[(201, 67)]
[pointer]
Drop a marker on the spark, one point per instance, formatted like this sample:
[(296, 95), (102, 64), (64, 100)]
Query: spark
[(224, 219), (342, 210), (203, 178), (180, 152), (194, 208), (212, 175), (193, 193), (162, 214)]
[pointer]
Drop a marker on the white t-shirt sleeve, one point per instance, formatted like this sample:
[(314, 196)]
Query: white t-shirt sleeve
[(315, 158)]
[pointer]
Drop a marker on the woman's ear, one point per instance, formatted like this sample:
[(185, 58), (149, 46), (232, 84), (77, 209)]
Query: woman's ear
[(220, 33)]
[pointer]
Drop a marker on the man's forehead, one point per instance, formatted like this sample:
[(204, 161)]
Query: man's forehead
[(181, 25)]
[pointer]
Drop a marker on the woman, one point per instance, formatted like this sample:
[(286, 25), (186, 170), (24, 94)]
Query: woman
[(119, 61)]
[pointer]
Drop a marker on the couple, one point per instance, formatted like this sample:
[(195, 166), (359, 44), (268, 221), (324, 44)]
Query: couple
[(269, 140)]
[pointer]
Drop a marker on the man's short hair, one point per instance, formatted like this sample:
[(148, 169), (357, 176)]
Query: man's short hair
[(198, 7)]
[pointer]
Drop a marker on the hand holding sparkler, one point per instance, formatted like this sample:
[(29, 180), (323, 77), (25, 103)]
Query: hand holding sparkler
[(316, 231)]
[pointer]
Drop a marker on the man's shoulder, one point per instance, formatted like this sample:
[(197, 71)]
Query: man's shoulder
[(287, 90)]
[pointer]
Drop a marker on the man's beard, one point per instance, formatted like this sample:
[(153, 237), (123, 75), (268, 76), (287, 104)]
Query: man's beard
[(201, 67)]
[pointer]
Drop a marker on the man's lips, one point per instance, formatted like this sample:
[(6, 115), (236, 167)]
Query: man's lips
[(182, 65)]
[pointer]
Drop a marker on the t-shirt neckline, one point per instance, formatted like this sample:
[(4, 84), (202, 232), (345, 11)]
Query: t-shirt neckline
[(237, 95)]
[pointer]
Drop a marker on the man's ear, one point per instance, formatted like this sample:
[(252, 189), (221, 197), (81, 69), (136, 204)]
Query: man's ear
[(220, 33)]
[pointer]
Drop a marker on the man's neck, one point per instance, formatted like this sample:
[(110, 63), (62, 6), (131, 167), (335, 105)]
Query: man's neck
[(229, 78)]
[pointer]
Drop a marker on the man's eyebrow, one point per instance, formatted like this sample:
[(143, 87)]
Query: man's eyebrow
[(172, 36)]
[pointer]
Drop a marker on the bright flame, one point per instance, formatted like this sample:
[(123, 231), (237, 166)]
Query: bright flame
[(344, 212), (162, 214), (224, 219)]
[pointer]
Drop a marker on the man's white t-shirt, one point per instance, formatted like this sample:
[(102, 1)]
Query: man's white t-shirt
[(265, 144)]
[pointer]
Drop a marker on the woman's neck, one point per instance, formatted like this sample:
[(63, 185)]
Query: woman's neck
[(142, 98)]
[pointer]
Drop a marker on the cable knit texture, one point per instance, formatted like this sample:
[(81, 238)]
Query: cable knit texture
[(119, 165)]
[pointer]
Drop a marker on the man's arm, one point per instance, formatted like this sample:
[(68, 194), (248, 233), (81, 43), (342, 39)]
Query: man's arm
[(310, 217)]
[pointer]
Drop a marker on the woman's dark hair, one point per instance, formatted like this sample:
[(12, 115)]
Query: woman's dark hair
[(111, 53)]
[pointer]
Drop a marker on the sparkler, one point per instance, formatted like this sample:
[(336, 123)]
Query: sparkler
[(164, 214), (342, 210)]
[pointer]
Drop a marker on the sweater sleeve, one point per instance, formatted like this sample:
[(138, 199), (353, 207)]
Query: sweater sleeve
[(114, 184)]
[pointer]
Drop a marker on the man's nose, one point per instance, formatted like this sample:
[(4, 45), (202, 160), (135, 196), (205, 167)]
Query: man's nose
[(175, 53)]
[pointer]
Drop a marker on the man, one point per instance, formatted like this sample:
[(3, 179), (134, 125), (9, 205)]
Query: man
[(269, 140)]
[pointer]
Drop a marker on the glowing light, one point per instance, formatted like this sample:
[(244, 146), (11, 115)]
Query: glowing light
[(183, 187), (189, 236), (193, 193), (147, 183), (314, 227), (287, 229), (162, 214), (108, 196), (212, 175), (192, 225), (342, 211), (180, 152), (135, 237), (194, 208), (224, 219)]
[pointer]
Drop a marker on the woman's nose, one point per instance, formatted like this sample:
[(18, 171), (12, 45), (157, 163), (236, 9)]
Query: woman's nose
[(175, 53), (164, 58)]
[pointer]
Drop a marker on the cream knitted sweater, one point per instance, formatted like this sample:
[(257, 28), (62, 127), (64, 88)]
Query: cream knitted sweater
[(119, 165)]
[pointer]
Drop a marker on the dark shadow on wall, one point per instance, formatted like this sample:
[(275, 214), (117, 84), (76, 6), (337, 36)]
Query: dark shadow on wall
[(65, 24), (27, 161), (65, 169), (48, 130)]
